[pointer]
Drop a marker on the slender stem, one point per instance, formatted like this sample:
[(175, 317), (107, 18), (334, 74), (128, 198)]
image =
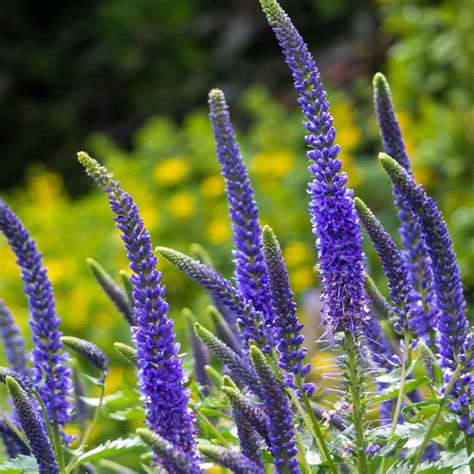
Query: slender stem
[(203, 419), (91, 426), (435, 419), (301, 453), (317, 430), (401, 390), (355, 381), (59, 447), (469, 450), (14, 428)]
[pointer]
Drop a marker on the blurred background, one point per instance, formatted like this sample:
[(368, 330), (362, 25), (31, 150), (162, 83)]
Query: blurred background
[(128, 82)]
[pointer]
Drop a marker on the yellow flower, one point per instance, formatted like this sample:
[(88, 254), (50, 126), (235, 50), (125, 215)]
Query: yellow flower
[(218, 231), (171, 171), (302, 279), (348, 135), (213, 186), (114, 380), (296, 253), (274, 163), (46, 188), (182, 205), (150, 216)]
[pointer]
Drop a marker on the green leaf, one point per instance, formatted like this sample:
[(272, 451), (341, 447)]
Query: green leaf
[(392, 392), (20, 464), (110, 448)]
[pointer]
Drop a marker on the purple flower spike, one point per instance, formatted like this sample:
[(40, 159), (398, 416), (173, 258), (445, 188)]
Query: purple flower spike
[(89, 350), (452, 321), (287, 327), (160, 372), (416, 260), (335, 223), (12, 340), (52, 374), (33, 428), (177, 461), (281, 427), (401, 290), (251, 272)]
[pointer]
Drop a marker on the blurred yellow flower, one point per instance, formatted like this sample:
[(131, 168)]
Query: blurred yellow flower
[(296, 253), (150, 216), (114, 380), (46, 188), (171, 171), (274, 163), (348, 135), (215, 470), (61, 269), (182, 205), (213, 186), (218, 231), (302, 279)]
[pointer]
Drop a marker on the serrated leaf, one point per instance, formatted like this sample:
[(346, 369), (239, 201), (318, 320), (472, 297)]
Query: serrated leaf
[(110, 448), (21, 464)]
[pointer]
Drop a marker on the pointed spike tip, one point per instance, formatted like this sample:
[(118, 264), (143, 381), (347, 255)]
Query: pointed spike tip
[(380, 83)]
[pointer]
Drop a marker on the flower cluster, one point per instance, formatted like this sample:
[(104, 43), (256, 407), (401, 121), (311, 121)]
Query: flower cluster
[(51, 370), (160, 370), (251, 272), (335, 224)]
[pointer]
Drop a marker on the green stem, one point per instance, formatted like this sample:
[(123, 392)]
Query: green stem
[(59, 448), (91, 426), (401, 390), (317, 429), (469, 450), (435, 419), (355, 381), (14, 428), (203, 419)]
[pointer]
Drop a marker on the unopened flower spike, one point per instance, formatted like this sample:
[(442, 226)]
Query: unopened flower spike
[(13, 340), (334, 220), (281, 427), (452, 323), (378, 301), (166, 402), (214, 376), (245, 409), (249, 320), (401, 291), (33, 428), (89, 350), (288, 330), (429, 361), (129, 353), (250, 271), (223, 330), (416, 260), (177, 461), (241, 371), (52, 374), (201, 356), (234, 461), (113, 291)]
